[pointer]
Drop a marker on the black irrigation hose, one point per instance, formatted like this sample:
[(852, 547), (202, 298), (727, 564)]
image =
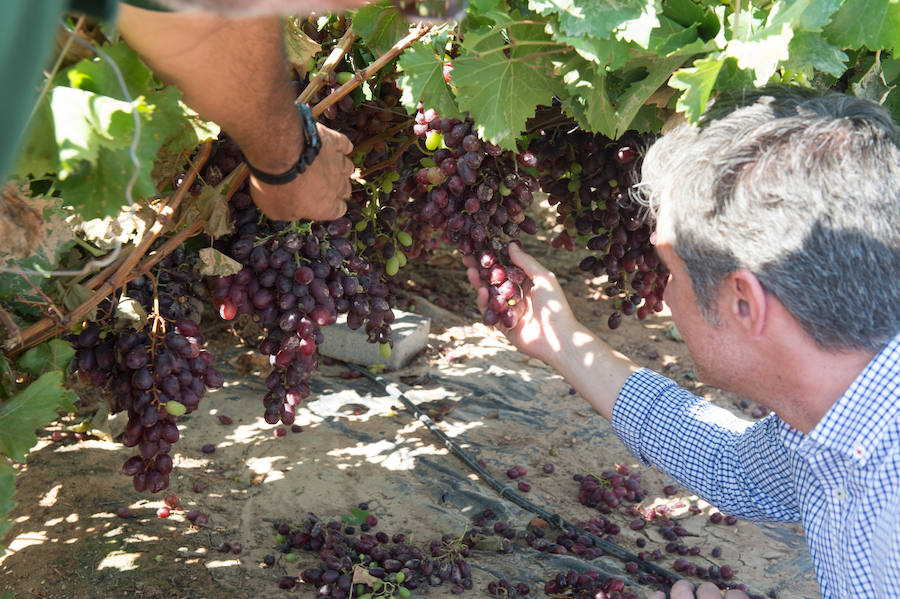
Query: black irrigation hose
[(507, 492)]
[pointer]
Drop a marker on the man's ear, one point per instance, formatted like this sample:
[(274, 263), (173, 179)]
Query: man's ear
[(745, 302)]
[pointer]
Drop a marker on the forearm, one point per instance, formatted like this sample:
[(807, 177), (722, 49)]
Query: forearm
[(741, 467), (231, 71), (592, 367)]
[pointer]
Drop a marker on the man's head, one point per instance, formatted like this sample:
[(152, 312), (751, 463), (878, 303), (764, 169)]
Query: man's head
[(800, 189)]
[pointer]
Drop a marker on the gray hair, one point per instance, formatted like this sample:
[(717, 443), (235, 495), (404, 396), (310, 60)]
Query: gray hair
[(801, 189)]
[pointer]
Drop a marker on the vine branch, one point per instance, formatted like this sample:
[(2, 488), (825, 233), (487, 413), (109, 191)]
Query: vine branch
[(337, 53)]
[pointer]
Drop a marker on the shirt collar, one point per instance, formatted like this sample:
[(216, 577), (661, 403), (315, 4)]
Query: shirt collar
[(855, 424)]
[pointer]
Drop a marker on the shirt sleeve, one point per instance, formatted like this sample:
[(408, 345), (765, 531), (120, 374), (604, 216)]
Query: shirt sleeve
[(741, 467)]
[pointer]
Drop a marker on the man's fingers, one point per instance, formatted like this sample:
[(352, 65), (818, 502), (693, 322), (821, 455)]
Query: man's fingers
[(340, 142), (684, 589), (657, 595), (474, 279)]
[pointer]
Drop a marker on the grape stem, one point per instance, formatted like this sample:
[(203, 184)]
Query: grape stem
[(390, 161), (372, 141), (374, 67), (130, 267), (337, 53)]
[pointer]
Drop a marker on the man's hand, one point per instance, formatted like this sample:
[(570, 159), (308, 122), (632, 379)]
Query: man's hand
[(685, 590), (318, 193), (546, 315)]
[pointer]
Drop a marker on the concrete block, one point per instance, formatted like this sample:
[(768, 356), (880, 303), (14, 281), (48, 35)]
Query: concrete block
[(409, 331)]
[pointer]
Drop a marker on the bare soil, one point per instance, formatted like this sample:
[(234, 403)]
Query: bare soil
[(357, 445)]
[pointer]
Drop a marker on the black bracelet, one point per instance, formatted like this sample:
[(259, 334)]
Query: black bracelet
[(313, 145)]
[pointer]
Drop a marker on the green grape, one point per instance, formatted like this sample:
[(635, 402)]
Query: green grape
[(175, 408), (404, 238), (393, 264), (385, 349), (433, 140)]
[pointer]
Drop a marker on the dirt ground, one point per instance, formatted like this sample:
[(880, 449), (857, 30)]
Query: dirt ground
[(358, 446)]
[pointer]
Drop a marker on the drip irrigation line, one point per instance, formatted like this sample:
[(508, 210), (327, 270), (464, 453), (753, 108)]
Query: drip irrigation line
[(506, 491)]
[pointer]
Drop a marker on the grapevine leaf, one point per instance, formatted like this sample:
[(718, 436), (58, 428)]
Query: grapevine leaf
[(697, 84), (687, 13), (671, 38), (600, 109), (6, 379), (76, 295), (874, 24), (85, 122), (593, 18), (299, 47), (380, 25), (93, 133), (817, 15), (98, 76), (484, 12), (55, 354), (39, 154), (639, 29), (810, 50), (607, 51), (872, 84), (762, 54), (484, 77), (423, 78), (7, 488), (55, 238), (891, 68), (215, 263), (34, 407), (130, 314)]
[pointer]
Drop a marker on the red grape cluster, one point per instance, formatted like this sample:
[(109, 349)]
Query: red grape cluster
[(588, 178), (589, 584), (295, 279), (611, 488), (156, 373), (391, 560), (155, 376), (472, 194)]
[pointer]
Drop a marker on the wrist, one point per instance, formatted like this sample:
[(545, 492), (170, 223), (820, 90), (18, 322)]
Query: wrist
[(306, 154)]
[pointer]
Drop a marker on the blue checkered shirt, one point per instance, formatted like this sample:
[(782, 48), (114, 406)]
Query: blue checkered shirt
[(842, 480)]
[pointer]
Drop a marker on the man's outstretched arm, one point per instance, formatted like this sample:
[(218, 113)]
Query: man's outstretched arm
[(233, 72)]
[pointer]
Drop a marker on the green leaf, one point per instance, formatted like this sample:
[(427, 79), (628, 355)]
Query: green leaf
[(7, 488), (598, 108), (810, 50), (423, 78), (697, 84), (501, 93), (6, 378), (32, 408), (607, 52), (380, 25), (94, 133), (874, 24), (40, 154), (299, 48), (638, 29), (55, 354), (688, 13), (872, 84), (593, 18), (97, 75), (356, 517)]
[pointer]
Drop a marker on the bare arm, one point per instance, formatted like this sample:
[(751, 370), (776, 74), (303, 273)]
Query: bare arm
[(233, 72), (549, 332)]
